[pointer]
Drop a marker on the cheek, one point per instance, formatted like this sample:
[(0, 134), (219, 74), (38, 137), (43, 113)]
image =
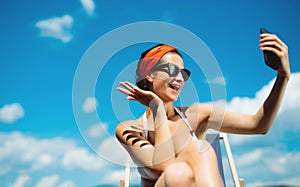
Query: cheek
[(162, 76), (159, 86)]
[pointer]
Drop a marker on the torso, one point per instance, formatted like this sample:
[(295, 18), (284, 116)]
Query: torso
[(180, 132)]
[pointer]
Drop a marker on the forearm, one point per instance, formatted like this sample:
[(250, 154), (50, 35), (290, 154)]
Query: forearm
[(163, 144), (265, 116)]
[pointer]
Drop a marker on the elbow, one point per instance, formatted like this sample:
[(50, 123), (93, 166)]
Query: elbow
[(260, 126), (261, 130)]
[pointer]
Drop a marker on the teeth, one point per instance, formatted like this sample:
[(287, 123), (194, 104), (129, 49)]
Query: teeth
[(174, 87)]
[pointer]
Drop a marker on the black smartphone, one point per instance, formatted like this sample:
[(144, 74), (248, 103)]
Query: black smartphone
[(271, 59)]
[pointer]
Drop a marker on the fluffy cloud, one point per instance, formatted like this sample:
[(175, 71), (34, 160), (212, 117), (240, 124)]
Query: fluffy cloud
[(20, 153), (270, 163), (67, 183), (287, 119), (11, 113), (20, 181), (30, 154), (80, 158), (294, 181), (113, 151), (97, 131), (57, 27), (89, 6), (90, 105), (274, 155), (48, 181)]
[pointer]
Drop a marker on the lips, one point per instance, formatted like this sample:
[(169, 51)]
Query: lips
[(174, 87)]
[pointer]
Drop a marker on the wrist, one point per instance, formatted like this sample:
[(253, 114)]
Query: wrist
[(155, 103), (283, 74)]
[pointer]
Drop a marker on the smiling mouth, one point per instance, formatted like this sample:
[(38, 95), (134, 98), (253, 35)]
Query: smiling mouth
[(174, 87)]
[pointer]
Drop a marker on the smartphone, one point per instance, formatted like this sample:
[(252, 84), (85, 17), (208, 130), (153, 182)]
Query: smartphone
[(271, 59)]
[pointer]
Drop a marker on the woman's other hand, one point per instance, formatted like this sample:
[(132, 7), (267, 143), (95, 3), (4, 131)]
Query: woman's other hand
[(136, 94)]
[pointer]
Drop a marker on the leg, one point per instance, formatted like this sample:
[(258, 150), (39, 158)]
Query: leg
[(176, 175), (198, 167), (203, 161)]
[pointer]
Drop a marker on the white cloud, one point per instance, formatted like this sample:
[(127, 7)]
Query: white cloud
[(48, 181), (291, 98), (117, 174), (67, 183), (287, 119), (80, 158), (89, 6), (20, 181), (272, 156), (271, 164), (57, 27), (113, 151), (249, 158), (114, 176), (294, 181), (90, 105), (11, 113), (217, 80), (97, 131), (31, 154)]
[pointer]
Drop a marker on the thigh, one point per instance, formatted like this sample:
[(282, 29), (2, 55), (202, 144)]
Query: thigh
[(201, 158), (203, 161)]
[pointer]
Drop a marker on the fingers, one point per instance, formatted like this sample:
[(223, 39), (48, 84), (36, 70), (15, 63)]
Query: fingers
[(127, 92), (268, 37), (127, 85), (270, 42), (130, 90)]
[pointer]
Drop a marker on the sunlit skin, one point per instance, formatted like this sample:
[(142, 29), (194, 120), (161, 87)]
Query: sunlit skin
[(170, 151)]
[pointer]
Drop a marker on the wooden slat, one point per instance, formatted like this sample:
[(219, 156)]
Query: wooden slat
[(230, 160)]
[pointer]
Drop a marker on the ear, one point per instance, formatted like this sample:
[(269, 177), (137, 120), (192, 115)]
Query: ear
[(149, 78)]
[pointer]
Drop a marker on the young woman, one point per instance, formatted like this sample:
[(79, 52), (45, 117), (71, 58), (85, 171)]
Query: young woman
[(168, 143)]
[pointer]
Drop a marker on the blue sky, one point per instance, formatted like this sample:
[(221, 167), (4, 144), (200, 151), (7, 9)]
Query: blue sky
[(43, 43)]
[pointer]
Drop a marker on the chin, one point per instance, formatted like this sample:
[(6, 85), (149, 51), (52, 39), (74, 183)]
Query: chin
[(171, 98)]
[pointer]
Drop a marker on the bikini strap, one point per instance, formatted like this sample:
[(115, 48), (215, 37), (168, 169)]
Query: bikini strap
[(185, 120), (182, 116)]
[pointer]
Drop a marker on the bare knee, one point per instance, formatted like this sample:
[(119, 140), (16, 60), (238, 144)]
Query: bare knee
[(201, 156), (179, 174)]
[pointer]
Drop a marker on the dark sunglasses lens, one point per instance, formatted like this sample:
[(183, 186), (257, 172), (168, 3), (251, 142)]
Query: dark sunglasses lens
[(173, 70), (185, 74)]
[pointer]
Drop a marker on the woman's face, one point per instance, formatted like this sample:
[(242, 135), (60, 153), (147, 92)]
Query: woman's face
[(165, 86)]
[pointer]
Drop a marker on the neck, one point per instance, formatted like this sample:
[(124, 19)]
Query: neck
[(169, 108)]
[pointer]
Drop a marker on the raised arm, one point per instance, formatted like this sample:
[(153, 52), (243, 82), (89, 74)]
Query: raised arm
[(155, 155), (261, 121)]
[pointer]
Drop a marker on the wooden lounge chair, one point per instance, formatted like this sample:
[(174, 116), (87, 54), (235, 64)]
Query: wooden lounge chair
[(214, 139)]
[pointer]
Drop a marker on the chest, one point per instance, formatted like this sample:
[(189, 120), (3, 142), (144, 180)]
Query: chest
[(180, 133)]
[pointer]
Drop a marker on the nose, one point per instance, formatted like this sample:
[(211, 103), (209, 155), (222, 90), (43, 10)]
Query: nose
[(178, 78)]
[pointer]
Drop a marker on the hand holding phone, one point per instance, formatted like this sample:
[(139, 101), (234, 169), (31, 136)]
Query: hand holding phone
[(271, 59)]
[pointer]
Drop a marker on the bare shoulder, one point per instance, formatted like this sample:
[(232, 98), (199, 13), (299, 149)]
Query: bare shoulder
[(199, 108)]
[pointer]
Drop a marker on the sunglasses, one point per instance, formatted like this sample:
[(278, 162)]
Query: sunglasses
[(173, 70)]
